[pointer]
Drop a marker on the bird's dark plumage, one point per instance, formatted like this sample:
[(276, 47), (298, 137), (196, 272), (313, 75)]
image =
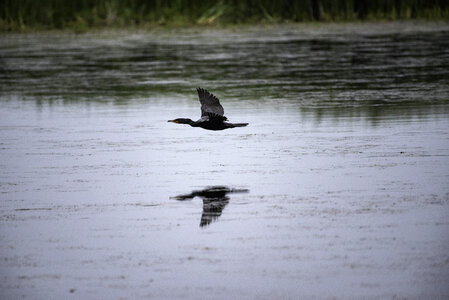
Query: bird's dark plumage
[(209, 103), (212, 114)]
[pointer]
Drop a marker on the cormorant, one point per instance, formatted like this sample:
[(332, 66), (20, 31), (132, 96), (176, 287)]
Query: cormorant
[(212, 117)]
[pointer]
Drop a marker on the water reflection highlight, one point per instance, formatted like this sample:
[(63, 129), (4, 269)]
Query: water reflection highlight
[(215, 200)]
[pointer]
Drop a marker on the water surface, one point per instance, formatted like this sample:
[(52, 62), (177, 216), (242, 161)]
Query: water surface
[(337, 188)]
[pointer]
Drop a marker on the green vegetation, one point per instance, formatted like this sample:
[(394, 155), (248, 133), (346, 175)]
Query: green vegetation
[(80, 15)]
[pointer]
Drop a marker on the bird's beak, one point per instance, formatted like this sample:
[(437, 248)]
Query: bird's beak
[(173, 121)]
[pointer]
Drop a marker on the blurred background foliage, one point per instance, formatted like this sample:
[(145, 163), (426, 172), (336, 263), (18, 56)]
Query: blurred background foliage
[(17, 15)]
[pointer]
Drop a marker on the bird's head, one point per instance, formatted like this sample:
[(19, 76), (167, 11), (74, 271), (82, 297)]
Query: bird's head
[(181, 121)]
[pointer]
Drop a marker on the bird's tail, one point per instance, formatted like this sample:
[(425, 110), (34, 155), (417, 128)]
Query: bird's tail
[(240, 124)]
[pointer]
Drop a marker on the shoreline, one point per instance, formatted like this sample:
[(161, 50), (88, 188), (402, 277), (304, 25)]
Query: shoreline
[(152, 27)]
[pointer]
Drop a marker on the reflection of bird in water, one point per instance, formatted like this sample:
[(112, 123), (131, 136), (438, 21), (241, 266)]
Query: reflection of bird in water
[(212, 117), (214, 201)]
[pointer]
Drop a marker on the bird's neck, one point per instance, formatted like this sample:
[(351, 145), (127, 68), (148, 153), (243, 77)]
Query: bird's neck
[(185, 121), (192, 123)]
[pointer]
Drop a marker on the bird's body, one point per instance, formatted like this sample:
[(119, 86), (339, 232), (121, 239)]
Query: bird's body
[(212, 114)]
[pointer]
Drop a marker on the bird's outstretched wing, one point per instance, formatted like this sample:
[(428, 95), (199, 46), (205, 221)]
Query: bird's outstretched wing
[(214, 118), (209, 103)]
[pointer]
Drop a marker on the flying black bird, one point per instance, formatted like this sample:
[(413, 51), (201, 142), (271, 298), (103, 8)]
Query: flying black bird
[(212, 117)]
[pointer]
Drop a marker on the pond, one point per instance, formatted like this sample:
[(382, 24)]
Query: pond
[(338, 187)]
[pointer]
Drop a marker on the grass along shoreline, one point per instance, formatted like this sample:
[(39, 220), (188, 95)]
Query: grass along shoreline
[(82, 16)]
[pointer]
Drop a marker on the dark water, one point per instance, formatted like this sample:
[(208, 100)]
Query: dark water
[(339, 187)]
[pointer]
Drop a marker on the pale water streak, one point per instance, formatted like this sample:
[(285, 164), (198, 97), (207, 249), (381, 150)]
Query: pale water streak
[(337, 188)]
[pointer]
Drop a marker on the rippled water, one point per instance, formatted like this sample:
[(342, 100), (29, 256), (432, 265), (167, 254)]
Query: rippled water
[(337, 188)]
